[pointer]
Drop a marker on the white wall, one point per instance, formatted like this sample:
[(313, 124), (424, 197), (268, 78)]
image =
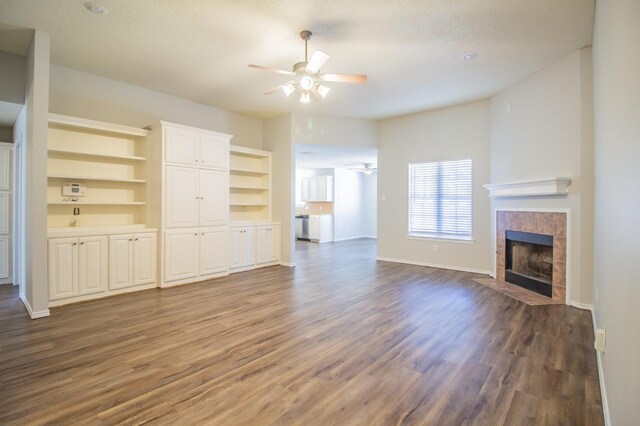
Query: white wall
[(616, 59), (89, 96), (347, 205), (277, 139), (13, 81), (317, 129), (445, 134), (369, 204), (32, 127), (547, 133)]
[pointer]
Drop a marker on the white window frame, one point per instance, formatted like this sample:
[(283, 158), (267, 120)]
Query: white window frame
[(466, 239)]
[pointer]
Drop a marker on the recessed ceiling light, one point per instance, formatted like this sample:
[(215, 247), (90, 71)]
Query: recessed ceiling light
[(469, 56), (95, 8)]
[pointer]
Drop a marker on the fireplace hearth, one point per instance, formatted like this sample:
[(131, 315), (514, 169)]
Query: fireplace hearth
[(529, 261)]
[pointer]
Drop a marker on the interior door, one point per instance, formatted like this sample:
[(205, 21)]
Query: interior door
[(182, 147), (214, 197), (213, 253), (182, 198), (120, 261), (5, 212), (5, 168), (63, 268), (214, 152), (144, 259), (181, 255), (93, 261), (5, 270)]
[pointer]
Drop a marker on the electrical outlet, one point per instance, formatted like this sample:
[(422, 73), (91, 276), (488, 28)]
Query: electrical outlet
[(601, 341), (383, 197)]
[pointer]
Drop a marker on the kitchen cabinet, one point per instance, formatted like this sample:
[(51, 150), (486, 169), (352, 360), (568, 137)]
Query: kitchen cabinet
[(242, 241), (321, 228), (131, 260), (77, 266), (317, 189), (192, 254), (267, 244)]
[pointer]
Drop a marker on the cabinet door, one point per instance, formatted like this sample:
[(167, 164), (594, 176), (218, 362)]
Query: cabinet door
[(213, 251), (236, 238), (181, 208), (182, 146), (5, 169), (304, 190), (63, 268), (249, 247), (313, 189), (93, 261), (214, 196), (274, 244), (120, 261), (214, 152), (181, 255), (4, 258), (263, 240), (144, 259), (314, 229), (321, 188), (5, 212)]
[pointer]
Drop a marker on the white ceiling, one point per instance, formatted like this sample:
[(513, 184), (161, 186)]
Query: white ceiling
[(332, 157), (411, 49)]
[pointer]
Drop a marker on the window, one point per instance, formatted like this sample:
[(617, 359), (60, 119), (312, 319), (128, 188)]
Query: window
[(440, 199)]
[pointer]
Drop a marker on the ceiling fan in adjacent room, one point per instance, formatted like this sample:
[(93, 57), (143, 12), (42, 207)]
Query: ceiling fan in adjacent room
[(307, 76), (367, 168)]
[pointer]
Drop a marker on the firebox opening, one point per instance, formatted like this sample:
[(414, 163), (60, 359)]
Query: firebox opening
[(529, 261)]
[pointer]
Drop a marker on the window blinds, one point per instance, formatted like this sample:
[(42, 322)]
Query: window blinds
[(440, 199)]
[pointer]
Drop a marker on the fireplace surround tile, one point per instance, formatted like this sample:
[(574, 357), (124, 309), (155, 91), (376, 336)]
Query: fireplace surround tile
[(548, 223)]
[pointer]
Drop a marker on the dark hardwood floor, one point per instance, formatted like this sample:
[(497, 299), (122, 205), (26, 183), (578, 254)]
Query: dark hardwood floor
[(340, 339)]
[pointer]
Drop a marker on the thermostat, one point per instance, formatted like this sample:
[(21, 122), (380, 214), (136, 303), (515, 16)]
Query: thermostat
[(74, 189)]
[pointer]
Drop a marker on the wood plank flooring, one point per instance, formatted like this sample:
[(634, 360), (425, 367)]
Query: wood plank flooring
[(340, 339)]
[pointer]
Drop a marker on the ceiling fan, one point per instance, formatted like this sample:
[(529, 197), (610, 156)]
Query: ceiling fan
[(306, 75), (367, 168)]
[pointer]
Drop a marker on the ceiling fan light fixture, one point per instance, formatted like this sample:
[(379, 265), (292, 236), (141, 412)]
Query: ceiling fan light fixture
[(305, 98), (306, 83), (288, 89), (323, 90)]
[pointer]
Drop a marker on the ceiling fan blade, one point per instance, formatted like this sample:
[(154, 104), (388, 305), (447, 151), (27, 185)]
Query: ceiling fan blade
[(316, 94), (275, 89), (260, 67), (344, 78), (316, 62)]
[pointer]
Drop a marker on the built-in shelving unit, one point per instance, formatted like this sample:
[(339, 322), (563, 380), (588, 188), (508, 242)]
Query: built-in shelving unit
[(110, 160), (249, 184)]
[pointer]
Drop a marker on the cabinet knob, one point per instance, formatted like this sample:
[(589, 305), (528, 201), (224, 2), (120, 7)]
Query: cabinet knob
[(136, 239), (202, 198), (75, 244), (81, 244), (196, 234), (196, 161), (202, 233), (131, 239)]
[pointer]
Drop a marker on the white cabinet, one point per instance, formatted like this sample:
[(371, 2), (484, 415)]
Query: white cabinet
[(321, 228), (131, 260), (243, 252), (77, 266), (194, 147), (267, 244), (213, 251), (214, 198), (193, 254), (317, 189), (93, 258), (180, 255), (196, 197), (5, 259), (182, 197)]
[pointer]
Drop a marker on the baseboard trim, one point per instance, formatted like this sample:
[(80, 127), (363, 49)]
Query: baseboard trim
[(579, 305), (603, 388), (434, 265), (353, 238), (290, 265), (32, 314)]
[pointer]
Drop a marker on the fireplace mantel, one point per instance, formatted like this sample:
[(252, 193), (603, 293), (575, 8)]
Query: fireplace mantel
[(530, 188)]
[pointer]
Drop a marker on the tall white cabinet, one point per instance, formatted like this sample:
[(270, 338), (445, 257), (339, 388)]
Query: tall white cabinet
[(6, 157), (193, 202), (100, 242)]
